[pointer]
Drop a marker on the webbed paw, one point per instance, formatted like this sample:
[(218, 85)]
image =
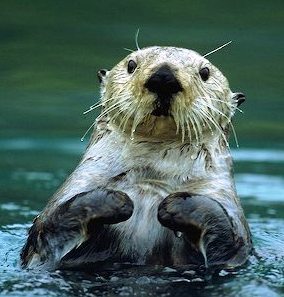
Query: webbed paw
[(206, 227)]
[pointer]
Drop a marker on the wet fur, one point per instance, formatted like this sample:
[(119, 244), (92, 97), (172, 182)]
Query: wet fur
[(148, 158)]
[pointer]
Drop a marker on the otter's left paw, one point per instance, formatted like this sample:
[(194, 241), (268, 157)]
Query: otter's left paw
[(206, 228)]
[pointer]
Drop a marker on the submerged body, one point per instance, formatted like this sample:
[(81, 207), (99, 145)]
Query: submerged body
[(155, 183)]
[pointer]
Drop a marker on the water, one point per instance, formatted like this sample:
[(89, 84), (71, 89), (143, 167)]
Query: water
[(50, 52), (260, 183)]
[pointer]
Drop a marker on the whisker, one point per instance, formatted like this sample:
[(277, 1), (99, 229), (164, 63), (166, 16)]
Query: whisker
[(177, 118), (105, 112), (217, 49), (113, 106), (229, 104), (182, 131), (128, 49), (136, 39), (189, 131), (136, 120), (88, 130), (177, 121), (199, 129), (229, 121), (194, 129), (96, 105), (129, 114), (119, 111), (181, 122), (210, 106), (215, 124), (235, 134), (238, 109), (218, 100), (109, 109), (93, 107), (204, 121)]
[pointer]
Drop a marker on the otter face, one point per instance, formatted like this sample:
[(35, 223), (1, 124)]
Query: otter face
[(168, 93)]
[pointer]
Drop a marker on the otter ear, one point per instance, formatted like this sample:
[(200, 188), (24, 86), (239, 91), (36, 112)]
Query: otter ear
[(239, 98), (102, 74)]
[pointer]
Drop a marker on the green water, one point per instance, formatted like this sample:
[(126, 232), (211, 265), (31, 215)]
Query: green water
[(49, 54)]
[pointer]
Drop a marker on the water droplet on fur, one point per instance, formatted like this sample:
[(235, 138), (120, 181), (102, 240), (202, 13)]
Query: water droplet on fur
[(178, 234)]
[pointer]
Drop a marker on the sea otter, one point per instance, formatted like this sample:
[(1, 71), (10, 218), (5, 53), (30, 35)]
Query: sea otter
[(155, 184)]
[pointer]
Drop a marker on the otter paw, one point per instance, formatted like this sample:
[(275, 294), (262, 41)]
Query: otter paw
[(104, 206), (73, 225), (206, 228), (183, 211)]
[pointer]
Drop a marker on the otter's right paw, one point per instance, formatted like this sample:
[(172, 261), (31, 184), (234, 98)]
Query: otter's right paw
[(105, 206), (57, 231)]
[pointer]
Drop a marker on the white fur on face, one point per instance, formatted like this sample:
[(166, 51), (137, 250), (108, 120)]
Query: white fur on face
[(201, 108)]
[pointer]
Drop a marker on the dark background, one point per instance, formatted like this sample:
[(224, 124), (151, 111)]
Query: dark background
[(50, 52)]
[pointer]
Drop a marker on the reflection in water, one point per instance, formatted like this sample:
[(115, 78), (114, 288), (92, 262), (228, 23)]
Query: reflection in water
[(28, 187)]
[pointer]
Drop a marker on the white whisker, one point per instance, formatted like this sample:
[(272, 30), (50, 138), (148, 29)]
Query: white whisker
[(128, 49), (93, 107), (136, 39), (96, 105), (114, 117), (227, 118), (88, 130), (215, 124), (120, 103), (109, 109), (189, 132), (217, 49), (199, 129), (204, 120), (235, 134), (194, 129), (128, 116)]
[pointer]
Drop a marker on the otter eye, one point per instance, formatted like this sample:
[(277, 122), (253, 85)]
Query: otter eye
[(131, 66), (204, 73)]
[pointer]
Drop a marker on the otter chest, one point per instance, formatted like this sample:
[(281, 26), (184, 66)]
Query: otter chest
[(142, 233)]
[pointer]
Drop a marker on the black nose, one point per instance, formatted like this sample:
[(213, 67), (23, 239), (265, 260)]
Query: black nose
[(163, 83)]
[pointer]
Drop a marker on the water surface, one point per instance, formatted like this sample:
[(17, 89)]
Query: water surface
[(260, 183), (49, 54)]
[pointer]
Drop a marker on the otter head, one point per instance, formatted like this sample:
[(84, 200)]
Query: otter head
[(168, 93)]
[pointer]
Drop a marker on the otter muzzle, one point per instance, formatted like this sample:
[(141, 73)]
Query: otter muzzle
[(164, 84)]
